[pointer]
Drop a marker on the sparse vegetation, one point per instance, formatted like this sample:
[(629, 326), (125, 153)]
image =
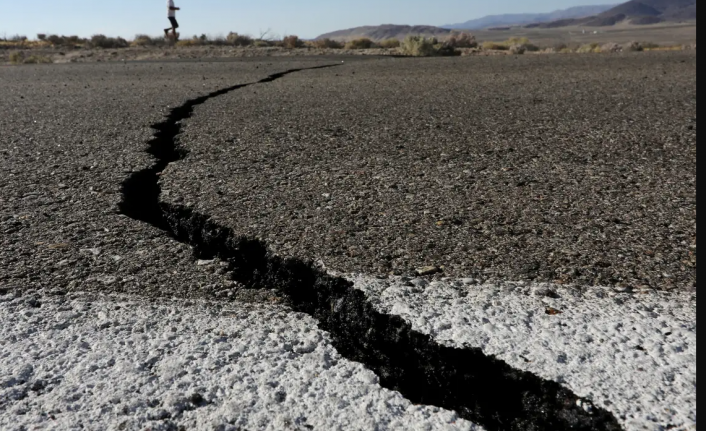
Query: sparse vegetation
[(457, 43), (461, 40), (633, 46), (102, 41), (517, 49), (419, 46), (389, 43), (194, 41), (516, 45), (611, 47), (325, 43), (16, 57), (649, 45), (239, 39), (588, 48), (37, 59), (494, 46), (292, 41), (361, 43), (145, 40)]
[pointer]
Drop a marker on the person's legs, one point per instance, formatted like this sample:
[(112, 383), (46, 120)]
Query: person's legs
[(175, 25)]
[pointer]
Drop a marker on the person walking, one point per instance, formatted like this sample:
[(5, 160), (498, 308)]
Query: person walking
[(171, 14)]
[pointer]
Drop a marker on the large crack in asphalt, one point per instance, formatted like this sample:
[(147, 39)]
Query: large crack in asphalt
[(479, 387)]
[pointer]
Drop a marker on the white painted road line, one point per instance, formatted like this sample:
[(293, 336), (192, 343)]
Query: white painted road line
[(633, 354), (118, 363)]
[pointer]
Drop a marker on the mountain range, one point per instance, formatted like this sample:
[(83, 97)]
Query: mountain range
[(386, 31), (514, 19), (635, 12)]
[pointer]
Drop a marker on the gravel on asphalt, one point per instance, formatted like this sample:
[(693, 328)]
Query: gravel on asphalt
[(71, 134), (565, 168)]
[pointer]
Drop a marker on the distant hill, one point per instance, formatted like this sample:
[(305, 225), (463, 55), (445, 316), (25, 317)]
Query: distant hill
[(636, 12), (529, 18), (385, 31)]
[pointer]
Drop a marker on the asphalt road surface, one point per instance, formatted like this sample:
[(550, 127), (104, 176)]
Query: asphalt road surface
[(550, 199)]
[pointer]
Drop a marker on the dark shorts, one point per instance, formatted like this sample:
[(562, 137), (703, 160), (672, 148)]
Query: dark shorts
[(174, 22)]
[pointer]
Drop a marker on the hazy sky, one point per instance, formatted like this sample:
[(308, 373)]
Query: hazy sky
[(305, 18)]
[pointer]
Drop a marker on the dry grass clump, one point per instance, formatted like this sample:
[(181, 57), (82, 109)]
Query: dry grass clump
[(517, 49), (611, 47), (517, 45), (589, 48), (667, 48), (419, 46), (461, 40), (18, 57), (66, 41), (145, 40), (494, 46), (292, 41), (102, 41), (361, 43), (194, 41), (37, 59), (389, 43), (633, 46), (325, 44), (239, 39)]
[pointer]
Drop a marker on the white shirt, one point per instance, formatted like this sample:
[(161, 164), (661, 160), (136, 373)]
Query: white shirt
[(170, 13)]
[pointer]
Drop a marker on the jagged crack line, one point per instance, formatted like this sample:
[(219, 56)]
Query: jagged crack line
[(143, 186), (480, 388)]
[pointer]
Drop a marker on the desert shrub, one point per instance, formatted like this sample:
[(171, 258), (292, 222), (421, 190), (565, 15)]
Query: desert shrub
[(517, 49), (189, 43), (239, 39), (389, 43), (461, 40), (292, 41), (17, 38), (69, 41), (16, 57), (37, 59), (611, 47), (102, 41), (42, 36), (361, 43), (633, 46), (418, 46), (75, 40), (589, 47), (517, 41), (145, 40), (649, 45), (494, 46), (325, 43), (259, 43), (54, 39)]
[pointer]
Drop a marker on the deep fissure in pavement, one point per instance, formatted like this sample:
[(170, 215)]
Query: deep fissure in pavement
[(480, 388)]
